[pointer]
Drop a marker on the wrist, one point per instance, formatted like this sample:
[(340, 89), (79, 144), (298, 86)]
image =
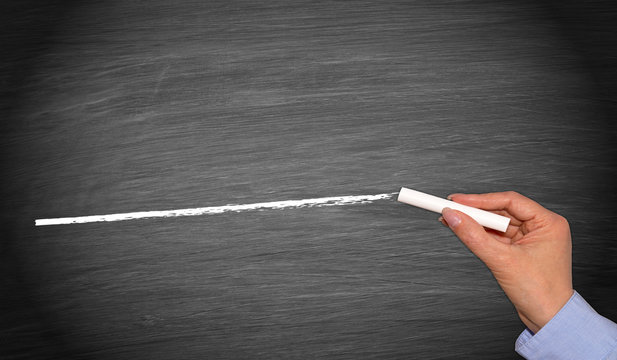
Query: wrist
[(544, 310)]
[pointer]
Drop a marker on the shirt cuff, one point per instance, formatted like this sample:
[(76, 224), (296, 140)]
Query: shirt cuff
[(575, 332)]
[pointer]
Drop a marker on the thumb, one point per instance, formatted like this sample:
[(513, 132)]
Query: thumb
[(473, 235)]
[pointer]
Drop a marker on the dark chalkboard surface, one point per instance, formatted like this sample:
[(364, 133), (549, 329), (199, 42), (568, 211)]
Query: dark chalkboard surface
[(129, 106)]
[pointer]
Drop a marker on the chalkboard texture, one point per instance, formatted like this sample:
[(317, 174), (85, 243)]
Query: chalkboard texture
[(124, 106)]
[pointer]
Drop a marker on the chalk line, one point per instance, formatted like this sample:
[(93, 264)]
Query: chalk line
[(317, 202)]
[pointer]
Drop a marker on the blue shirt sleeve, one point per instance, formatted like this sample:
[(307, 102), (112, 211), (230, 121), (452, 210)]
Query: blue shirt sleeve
[(575, 332)]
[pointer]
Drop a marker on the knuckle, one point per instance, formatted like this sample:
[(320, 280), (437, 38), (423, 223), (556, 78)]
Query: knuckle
[(562, 222), (512, 195)]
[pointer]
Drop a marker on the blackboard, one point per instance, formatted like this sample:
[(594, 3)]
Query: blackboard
[(115, 107)]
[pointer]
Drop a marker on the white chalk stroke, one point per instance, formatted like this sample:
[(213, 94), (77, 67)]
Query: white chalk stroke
[(317, 202)]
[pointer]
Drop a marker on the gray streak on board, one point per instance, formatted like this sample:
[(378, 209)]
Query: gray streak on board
[(131, 106)]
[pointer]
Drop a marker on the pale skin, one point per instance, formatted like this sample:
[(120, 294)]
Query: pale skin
[(532, 260)]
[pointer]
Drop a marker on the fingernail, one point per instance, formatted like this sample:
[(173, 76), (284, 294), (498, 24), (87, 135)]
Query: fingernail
[(449, 197), (451, 217)]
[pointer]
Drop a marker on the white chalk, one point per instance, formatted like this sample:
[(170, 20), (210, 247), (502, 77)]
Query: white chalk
[(436, 204)]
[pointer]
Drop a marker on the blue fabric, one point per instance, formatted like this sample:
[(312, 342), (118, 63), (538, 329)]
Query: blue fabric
[(575, 332)]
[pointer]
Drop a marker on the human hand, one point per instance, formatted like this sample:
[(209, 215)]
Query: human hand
[(532, 260)]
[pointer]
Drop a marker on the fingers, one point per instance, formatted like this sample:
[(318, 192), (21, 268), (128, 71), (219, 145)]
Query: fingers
[(515, 204), (512, 234), (473, 235)]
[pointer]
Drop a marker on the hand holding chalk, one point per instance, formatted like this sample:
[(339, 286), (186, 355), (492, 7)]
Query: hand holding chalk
[(532, 260), (433, 203)]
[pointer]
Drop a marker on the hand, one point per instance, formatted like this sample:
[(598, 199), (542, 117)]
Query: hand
[(532, 260)]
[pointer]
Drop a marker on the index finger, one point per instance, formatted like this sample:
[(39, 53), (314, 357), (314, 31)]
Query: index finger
[(517, 205)]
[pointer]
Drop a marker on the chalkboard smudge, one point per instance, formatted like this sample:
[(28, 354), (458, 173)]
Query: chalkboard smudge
[(316, 202)]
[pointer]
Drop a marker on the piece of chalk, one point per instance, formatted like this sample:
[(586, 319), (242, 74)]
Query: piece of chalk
[(436, 204)]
